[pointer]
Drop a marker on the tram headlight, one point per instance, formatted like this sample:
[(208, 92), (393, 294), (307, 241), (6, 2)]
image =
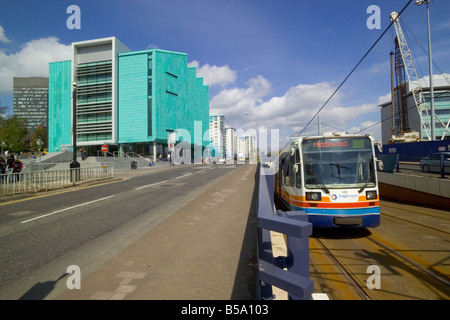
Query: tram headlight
[(371, 195), (313, 196)]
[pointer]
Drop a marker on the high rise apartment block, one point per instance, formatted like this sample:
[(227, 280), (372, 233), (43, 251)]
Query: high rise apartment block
[(30, 100)]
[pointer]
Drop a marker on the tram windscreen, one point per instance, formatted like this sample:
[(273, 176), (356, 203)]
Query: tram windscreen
[(338, 162)]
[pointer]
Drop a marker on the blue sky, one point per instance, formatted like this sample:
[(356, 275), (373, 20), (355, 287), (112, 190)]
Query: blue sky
[(270, 64)]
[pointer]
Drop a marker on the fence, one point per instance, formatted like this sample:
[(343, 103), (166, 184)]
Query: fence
[(23, 182), (294, 224)]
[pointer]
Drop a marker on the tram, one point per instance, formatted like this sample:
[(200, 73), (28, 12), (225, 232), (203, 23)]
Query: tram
[(332, 178)]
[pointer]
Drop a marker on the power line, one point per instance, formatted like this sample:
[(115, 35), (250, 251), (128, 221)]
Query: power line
[(353, 70)]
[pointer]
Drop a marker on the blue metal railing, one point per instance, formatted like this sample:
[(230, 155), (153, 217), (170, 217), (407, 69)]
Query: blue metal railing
[(294, 224)]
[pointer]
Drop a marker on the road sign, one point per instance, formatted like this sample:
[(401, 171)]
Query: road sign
[(105, 148), (171, 139)]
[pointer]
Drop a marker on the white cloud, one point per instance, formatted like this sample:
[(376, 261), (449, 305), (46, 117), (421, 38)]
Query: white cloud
[(32, 60), (3, 37), (214, 75), (370, 127), (244, 108)]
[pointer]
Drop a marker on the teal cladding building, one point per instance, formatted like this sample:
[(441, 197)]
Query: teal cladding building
[(128, 100)]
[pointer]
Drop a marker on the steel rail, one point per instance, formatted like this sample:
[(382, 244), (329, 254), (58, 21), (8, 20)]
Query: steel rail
[(347, 274)]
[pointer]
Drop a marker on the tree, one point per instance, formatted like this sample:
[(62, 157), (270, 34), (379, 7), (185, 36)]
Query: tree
[(39, 133), (12, 132)]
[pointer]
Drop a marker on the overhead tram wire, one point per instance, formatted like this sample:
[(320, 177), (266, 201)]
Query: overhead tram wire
[(353, 70), (425, 51)]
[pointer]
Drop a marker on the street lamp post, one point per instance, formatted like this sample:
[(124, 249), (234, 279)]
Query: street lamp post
[(39, 143), (74, 165), (433, 130)]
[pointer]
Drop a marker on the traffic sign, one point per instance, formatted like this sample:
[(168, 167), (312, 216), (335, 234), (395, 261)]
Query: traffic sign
[(105, 148)]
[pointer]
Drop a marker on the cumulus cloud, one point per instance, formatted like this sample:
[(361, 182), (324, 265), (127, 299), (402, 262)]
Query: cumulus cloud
[(31, 60), (245, 108), (214, 75), (3, 37), (369, 127)]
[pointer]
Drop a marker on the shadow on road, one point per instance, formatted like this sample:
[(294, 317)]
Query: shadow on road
[(41, 289)]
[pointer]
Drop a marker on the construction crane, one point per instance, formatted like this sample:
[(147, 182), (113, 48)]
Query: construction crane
[(410, 70)]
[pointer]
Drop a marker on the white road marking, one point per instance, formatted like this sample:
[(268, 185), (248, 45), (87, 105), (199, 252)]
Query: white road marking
[(65, 209), (184, 175), (151, 185)]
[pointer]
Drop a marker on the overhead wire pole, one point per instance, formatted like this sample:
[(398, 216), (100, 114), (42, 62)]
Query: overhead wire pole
[(433, 129), (353, 70)]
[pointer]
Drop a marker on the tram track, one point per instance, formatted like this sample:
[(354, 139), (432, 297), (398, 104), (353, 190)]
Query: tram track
[(400, 274), (417, 265), (433, 213), (415, 223), (352, 280), (410, 247)]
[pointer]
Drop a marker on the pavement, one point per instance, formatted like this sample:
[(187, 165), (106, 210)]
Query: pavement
[(204, 251)]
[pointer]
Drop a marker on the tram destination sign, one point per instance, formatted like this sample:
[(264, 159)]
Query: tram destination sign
[(336, 144)]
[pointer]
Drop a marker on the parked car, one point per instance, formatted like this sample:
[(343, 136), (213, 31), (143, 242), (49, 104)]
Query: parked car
[(432, 163)]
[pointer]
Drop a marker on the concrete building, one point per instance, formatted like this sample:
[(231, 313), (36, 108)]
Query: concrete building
[(217, 133), (128, 100), (251, 147), (230, 143), (30, 100), (410, 119)]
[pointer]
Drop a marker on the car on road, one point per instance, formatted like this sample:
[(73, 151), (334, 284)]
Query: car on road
[(432, 163)]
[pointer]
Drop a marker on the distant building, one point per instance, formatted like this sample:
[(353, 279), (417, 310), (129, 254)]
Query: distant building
[(230, 143), (217, 133), (410, 119), (251, 147), (128, 100), (30, 100)]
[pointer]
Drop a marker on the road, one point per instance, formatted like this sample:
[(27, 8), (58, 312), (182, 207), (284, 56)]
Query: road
[(87, 225)]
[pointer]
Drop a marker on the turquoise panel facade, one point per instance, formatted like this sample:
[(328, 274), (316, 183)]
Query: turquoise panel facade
[(133, 110), (169, 96), (59, 102), (158, 93)]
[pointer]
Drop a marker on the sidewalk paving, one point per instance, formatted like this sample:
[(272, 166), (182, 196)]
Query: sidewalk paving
[(205, 250)]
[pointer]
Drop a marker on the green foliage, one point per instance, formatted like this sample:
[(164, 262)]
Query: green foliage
[(12, 132), (39, 133)]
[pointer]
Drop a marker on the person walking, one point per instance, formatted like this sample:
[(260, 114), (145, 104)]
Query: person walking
[(2, 169), (17, 168), (83, 154)]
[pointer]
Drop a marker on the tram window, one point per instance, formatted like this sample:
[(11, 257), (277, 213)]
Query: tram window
[(291, 170), (298, 175), (282, 170), (286, 171)]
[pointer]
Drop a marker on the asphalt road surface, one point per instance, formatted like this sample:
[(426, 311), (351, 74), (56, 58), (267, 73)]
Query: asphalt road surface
[(41, 236)]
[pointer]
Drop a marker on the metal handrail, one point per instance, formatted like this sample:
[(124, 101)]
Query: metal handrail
[(294, 224), (13, 183)]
